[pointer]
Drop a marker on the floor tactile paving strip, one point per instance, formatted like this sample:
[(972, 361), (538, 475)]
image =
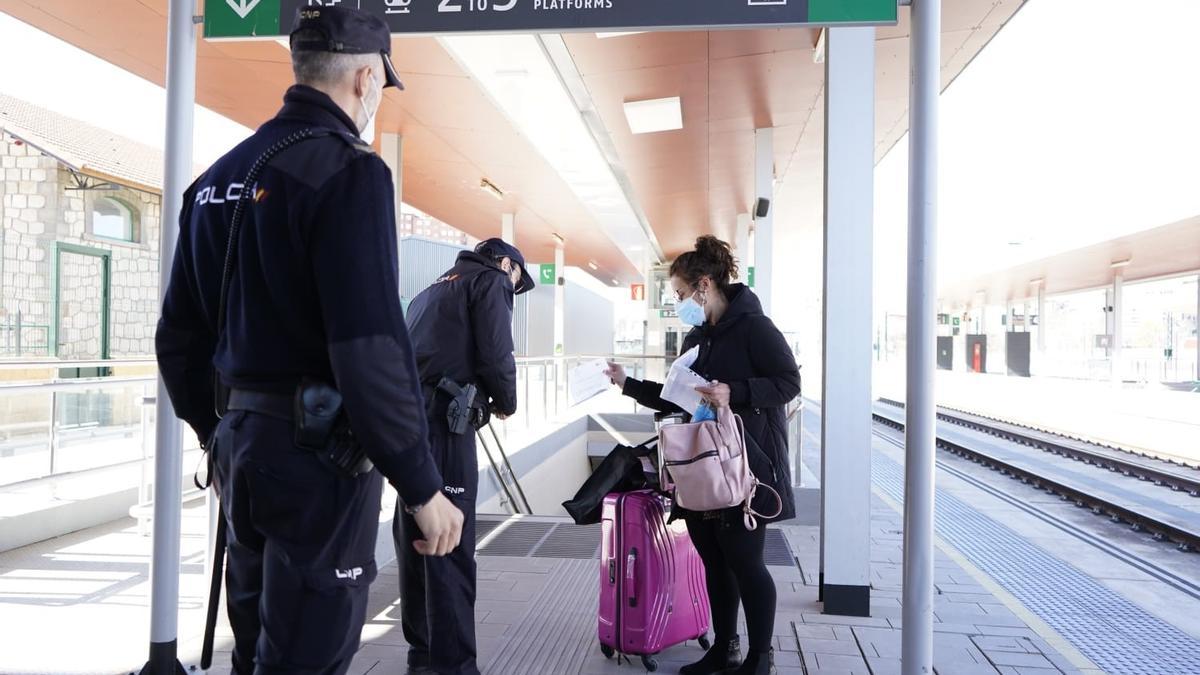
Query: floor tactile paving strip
[(582, 542), (777, 552), (517, 539), (576, 542), (1116, 634), (558, 632), (484, 527)]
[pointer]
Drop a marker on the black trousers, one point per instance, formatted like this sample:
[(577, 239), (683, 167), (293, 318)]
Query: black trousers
[(736, 574), (437, 595), (301, 550)]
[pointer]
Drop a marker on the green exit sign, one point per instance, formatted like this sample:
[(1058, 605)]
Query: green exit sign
[(244, 19)]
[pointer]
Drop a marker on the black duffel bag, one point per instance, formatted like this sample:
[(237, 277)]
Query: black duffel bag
[(620, 471)]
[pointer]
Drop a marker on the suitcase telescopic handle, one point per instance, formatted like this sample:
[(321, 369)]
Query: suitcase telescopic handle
[(631, 577)]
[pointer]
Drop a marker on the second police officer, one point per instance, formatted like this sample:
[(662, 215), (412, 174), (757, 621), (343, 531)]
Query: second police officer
[(302, 320), (461, 329)]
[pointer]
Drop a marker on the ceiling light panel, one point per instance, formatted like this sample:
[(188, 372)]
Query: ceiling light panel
[(654, 115), (516, 74)]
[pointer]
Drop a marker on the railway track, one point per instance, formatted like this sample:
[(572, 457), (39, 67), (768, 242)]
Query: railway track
[(1180, 530)]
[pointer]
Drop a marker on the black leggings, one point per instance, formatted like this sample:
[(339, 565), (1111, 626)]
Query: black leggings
[(736, 572)]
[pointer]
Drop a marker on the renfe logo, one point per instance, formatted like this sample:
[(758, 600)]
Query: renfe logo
[(243, 7)]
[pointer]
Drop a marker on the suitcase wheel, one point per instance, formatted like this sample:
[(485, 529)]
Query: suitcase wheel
[(705, 644), (607, 651), (649, 664)]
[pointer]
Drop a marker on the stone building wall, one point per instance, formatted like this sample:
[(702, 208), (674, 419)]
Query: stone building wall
[(39, 210)]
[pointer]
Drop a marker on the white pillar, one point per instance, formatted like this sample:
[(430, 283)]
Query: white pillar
[(1198, 328), (391, 149), (742, 244), (917, 602), (764, 239), (560, 296), (508, 228), (1041, 313), (168, 433), (846, 404), (1117, 311)]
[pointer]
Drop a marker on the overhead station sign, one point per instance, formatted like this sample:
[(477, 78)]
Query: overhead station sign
[(249, 19)]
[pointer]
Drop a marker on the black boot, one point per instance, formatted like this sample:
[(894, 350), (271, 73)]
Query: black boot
[(722, 656), (757, 663)]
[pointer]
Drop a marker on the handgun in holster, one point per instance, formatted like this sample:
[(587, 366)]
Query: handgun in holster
[(321, 426), (463, 413)]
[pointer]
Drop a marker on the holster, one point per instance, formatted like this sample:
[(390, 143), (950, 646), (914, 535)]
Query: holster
[(321, 426), (463, 412)]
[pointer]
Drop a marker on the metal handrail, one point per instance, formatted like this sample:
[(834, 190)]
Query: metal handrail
[(35, 364), (73, 385), (524, 360)]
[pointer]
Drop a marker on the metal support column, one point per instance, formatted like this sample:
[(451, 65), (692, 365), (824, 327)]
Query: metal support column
[(741, 246), (917, 640), (1118, 289), (168, 455), (391, 150), (560, 297), (846, 401), (508, 228), (1041, 315), (1198, 327), (764, 238), (560, 325)]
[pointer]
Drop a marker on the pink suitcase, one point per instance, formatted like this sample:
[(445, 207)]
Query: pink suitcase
[(652, 592)]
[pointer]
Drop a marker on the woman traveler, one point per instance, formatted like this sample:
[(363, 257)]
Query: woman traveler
[(751, 370)]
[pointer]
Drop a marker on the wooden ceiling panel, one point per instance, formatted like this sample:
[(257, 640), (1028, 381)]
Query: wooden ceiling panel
[(688, 182)]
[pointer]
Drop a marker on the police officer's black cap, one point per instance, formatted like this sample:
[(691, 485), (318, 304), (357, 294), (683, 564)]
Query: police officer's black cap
[(497, 249), (346, 31)]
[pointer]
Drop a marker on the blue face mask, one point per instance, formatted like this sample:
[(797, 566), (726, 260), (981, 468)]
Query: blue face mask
[(690, 312)]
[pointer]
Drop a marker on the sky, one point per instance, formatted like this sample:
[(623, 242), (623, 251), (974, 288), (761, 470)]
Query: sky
[(74, 83), (1078, 124)]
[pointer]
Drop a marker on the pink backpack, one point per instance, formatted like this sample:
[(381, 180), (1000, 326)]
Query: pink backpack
[(706, 464)]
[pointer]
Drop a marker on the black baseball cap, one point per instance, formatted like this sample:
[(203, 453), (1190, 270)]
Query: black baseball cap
[(347, 31), (498, 248)]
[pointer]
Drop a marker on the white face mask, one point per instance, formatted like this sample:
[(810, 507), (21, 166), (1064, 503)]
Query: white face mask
[(368, 132)]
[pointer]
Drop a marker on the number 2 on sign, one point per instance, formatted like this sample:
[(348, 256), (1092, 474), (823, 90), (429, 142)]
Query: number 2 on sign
[(475, 5)]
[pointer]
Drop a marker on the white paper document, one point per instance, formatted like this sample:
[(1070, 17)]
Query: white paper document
[(680, 387), (588, 380)]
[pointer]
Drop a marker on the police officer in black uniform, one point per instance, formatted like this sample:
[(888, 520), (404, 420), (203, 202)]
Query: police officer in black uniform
[(461, 329), (312, 305)]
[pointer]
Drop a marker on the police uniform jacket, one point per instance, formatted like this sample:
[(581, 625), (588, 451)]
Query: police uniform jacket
[(461, 328), (314, 293)]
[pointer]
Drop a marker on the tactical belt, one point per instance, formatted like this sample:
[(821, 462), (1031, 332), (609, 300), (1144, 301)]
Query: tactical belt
[(278, 406)]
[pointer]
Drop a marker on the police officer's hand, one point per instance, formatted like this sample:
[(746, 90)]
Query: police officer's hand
[(616, 373), (441, 522)]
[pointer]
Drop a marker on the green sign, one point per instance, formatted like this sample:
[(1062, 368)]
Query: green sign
[(270, 18), (955, 321), (667, 314), (243, 19), (750, 277), (546, 276)]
